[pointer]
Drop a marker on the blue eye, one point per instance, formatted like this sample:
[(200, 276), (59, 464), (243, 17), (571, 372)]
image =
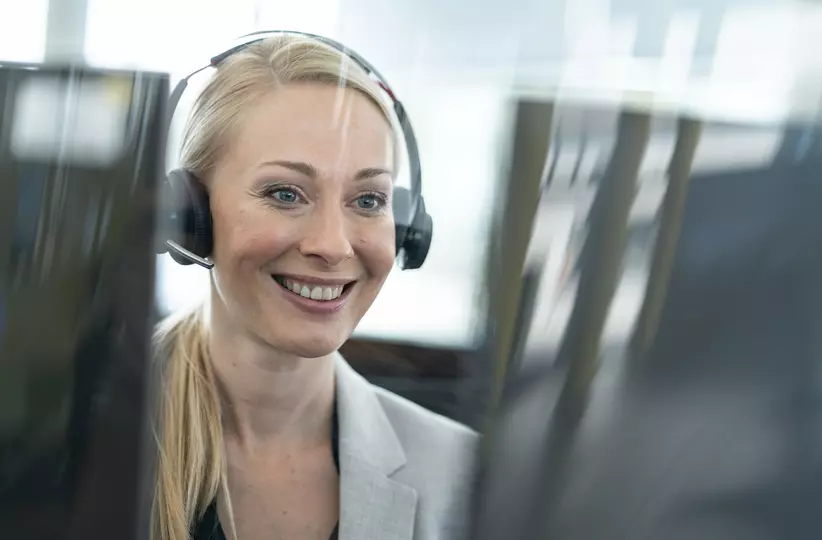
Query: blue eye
[(285, 196), (368, 202), (371, 202)]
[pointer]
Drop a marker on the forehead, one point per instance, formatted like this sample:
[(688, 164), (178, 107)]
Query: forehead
[(331, 128)]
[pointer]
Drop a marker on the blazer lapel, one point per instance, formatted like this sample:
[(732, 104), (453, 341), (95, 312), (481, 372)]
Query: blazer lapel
[(373, 506)]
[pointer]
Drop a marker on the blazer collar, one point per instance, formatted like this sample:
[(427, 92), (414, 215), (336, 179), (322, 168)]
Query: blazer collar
[(373, 506)]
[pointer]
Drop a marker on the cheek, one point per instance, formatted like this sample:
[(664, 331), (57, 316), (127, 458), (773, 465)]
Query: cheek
[(247, 234), (376, 251)]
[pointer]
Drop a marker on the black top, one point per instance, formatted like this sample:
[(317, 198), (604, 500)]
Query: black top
[(210, 529)]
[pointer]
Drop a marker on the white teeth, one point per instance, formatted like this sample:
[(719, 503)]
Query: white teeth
[(312, 292)]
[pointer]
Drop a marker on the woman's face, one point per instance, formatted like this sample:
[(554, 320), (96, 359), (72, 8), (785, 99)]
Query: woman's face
[(303, 229)]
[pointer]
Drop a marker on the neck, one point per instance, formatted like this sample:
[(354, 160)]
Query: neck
[(269, 397)]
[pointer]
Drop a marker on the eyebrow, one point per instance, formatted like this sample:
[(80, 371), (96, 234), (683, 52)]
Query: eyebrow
[(309, 170)]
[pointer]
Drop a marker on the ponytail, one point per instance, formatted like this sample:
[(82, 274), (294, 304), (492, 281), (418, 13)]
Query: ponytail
[(190, 465)]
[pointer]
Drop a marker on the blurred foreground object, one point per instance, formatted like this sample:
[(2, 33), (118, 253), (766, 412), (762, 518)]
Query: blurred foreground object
[(80, 154), (682, 396)]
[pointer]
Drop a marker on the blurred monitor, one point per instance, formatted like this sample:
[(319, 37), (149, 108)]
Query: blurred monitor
[(80, 154)]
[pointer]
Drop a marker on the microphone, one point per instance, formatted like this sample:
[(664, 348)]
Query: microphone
[(182, 255)]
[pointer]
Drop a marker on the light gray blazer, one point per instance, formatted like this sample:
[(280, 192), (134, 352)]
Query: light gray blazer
[(405, 472)]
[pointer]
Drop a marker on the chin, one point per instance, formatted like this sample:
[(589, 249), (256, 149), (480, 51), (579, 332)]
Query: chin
[(309, 347)]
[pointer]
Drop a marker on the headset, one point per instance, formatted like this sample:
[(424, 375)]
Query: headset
[(186, 230)]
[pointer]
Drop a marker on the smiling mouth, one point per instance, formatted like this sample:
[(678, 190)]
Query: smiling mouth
[(313, 291)]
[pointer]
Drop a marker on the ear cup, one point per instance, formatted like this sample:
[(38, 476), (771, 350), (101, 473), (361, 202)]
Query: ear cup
[(413, 229), (417, 239), (401, 204), (187, 219)]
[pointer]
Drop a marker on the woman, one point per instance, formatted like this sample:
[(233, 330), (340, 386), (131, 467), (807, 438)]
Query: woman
[(265, 431)]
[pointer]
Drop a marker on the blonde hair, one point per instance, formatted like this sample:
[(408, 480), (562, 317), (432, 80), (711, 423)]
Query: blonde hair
[(191, 466)]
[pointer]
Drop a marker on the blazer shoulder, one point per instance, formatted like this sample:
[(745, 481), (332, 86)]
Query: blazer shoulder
[(411, 421)]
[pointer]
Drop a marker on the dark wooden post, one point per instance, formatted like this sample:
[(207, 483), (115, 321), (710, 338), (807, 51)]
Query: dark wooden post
[(603, 250), (670, 226), (507, 250)]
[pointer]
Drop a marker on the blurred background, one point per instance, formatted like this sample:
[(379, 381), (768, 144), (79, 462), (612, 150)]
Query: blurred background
[(626, 197), (459, 68)]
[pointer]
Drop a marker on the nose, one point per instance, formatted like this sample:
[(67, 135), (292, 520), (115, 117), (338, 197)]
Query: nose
[(326, 236)]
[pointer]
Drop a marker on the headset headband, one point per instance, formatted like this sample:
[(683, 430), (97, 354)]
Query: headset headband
[(415, 171)]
